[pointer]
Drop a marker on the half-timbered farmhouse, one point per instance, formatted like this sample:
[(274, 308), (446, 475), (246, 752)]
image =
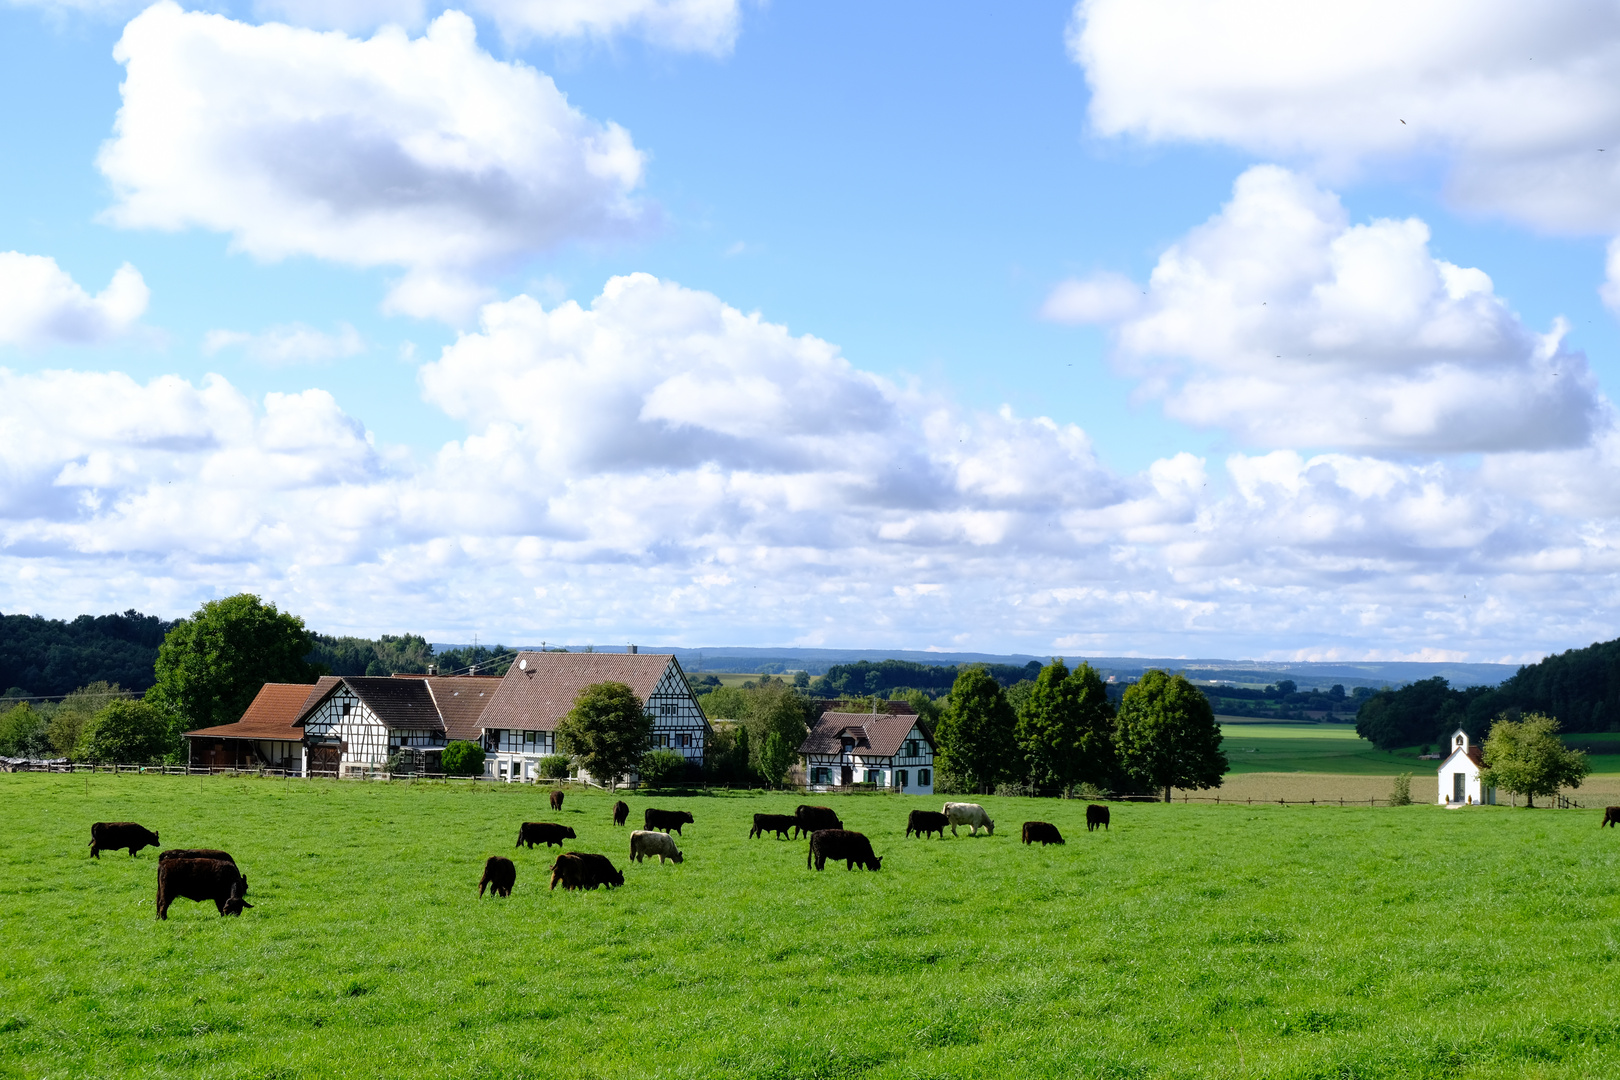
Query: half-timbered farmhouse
[(354, 724), (890, 750), (520, 725)]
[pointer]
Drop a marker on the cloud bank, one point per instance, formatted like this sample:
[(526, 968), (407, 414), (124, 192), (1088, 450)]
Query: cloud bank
[(41, 304)]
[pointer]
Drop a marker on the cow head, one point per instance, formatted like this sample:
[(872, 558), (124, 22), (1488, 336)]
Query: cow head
[(568, 832), (876, 863), (679, 858)]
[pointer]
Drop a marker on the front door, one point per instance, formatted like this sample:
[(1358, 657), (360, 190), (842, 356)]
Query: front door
[(848, 776), (1459, 786)]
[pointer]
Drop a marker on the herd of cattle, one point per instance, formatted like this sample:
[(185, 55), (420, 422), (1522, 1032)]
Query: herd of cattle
[(209, 874)]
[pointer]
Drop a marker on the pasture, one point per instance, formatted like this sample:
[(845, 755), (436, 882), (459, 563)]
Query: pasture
[(1189, 940), (1269, 746)]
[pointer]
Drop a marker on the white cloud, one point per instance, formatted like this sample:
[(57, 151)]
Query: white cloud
[(425, 154), (1281, 322), (1517, 97), (290, 344), (1101, 298), (41, 304)]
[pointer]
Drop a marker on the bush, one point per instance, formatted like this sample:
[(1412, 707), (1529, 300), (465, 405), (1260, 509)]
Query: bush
[(1402, 795), (555, 767), (463, 759), (127, 733), (662, 768)]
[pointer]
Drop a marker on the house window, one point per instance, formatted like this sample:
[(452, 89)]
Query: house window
[(823, 776), (911, 748), (686, 740), (528, 737), (925, 777), (874, 776), (667, 710), (346, 707)]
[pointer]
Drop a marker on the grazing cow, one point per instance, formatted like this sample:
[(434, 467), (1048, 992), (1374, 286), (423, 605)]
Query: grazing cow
[(621, 812), (1096, 815), (196, 853), (665, 820), (556, 800), (970, 814), (923, 822), (1041, 832), (644, 844), (776, 823), (531, 833), (836, 844), (580, 870), (112, 835), (808, 819), (199, 880), (1611, 816), (499, 876)]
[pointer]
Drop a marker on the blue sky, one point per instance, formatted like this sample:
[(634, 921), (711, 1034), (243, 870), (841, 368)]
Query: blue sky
[(893, 374)]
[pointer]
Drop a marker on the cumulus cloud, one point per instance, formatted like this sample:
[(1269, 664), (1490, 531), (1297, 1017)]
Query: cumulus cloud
[(41, 304), (1101, 298), (1518, 98), (1280, 321), (302, 143), (291, 344)]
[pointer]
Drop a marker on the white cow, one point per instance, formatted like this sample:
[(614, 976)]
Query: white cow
[(645, 842), (970, 814)]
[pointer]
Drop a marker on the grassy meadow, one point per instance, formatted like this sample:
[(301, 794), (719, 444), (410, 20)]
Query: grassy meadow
[(1189, 940)]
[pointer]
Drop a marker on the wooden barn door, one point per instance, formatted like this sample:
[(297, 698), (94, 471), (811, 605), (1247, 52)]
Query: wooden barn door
[(324, 760)]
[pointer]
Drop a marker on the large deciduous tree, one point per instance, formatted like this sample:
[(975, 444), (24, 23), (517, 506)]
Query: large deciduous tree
[(1066, 729), (607, 731), (976, 736), (128, 733), (1167, 736), (212, 665), (1527, 757)]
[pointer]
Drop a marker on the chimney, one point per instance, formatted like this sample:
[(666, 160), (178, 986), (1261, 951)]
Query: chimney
[(632, 650), (433, 669)]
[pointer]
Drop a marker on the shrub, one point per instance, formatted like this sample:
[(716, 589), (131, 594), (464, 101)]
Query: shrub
[(463, 759), (662, 768), (1402, 795), (128, 733), (555, 767)]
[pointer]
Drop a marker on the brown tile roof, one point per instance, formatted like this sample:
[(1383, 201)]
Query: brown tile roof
[(462, 701), (273, 714), (875, 734), (540, 687)]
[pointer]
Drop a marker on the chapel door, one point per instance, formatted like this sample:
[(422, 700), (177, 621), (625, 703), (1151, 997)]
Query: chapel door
[(1459, 786), (848, 776)]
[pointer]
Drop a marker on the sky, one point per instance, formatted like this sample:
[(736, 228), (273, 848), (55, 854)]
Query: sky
[(1253, 329)]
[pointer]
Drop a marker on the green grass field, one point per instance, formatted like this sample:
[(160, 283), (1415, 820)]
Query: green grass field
[(1269, 746), (1189, 940)]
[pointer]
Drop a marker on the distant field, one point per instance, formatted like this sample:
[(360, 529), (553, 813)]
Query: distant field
[(1267, 746), (1188, 940)]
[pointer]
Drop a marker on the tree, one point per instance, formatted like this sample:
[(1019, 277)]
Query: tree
[(462, 758), (775, 757), (1167, 735), (606, 731), (1066, 729), (212, 665), (1528, 758), (976, 736), (775, 708), (23, 732), (127, 733), (74, 713)]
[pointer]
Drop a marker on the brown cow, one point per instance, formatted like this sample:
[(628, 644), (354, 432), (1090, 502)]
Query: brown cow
[(199, 880), (665, 820), (531, 833), (499, 876), (811, 818), (1041, 832), (1611, 816), (923, 822), (841, 844), (1096, 815), (112, 835), (581, 870), (556, 799), (196, 853), (621, 812), (780, 824)]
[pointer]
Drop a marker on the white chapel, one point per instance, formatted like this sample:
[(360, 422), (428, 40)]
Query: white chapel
[(1459, 775)]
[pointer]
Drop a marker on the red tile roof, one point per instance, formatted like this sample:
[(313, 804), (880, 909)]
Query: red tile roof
[(540, 687), (462, 701), (875, 734), (272, 715)]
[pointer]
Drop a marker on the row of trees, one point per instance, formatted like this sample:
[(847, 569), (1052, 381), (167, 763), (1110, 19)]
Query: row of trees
[(1067, 735)]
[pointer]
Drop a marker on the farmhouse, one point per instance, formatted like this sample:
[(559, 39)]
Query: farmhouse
[(1459, 774), (520, 725), (355, 723), (891, 750), (267, 736)]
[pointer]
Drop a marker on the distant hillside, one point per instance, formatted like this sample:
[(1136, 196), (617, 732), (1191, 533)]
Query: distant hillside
[(50, 657)]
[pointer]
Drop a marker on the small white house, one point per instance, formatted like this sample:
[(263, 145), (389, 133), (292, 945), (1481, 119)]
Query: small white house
[(1459, 774), (889, 750)]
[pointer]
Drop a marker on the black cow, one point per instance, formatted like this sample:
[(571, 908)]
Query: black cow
[(531, 833), (499, 876), (923, 822), (1611, 816), (665, 820), (112, 835), (556, 800), (836, 844), (808, 819), (1096, 815), (1041, 832), (196, 853), (621, 812), (199, 880), (780, 824), (582, 870)]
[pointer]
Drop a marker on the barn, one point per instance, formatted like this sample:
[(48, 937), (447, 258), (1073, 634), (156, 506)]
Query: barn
[(355, 723), (520, 725), (1460, 783), (267, 736), (891, 750)]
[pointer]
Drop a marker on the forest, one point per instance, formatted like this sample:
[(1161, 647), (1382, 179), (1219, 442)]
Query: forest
[(52, 657)]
